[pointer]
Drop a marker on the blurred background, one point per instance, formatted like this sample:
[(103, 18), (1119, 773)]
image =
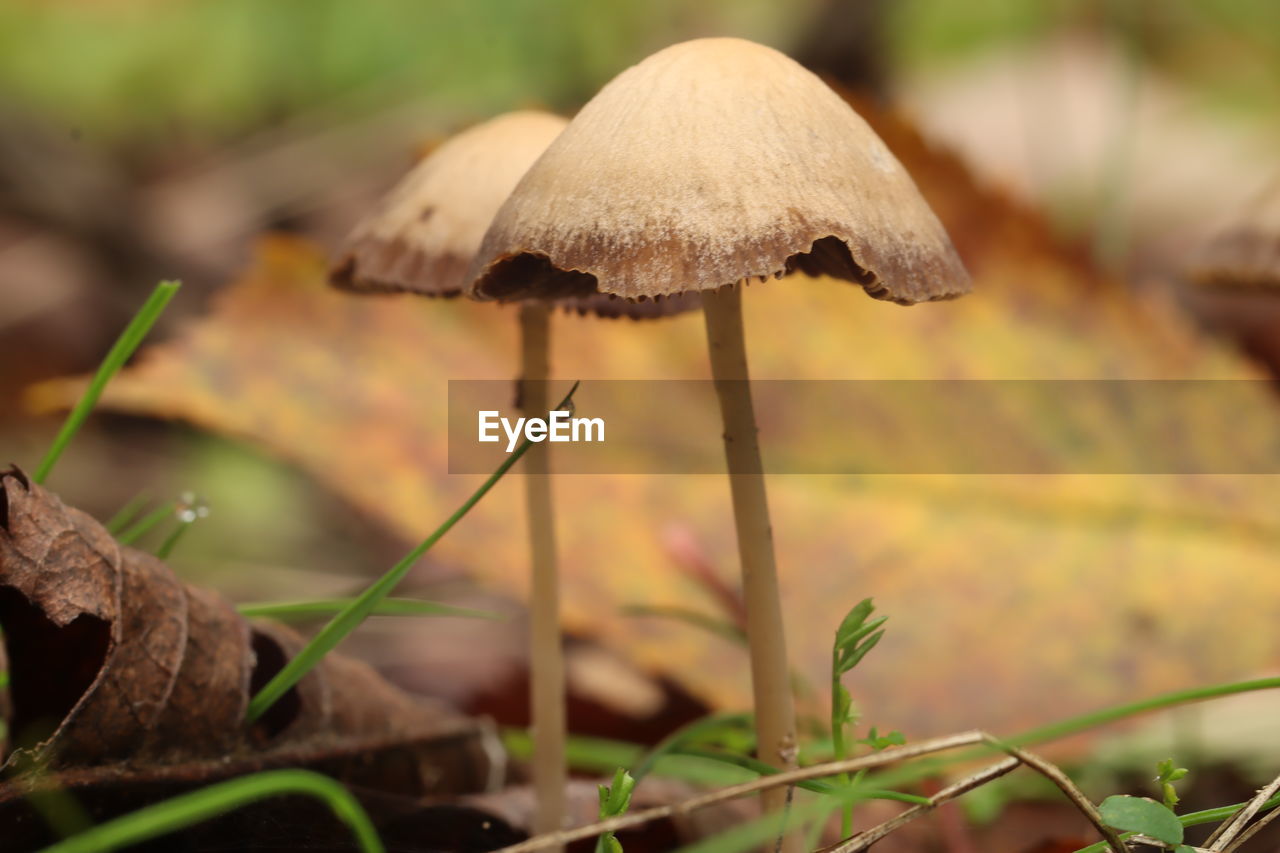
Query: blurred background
[(148, 139)]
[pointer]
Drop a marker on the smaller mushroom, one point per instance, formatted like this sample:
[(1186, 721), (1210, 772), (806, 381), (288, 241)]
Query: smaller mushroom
[(421, 240), (426, 231), (1238, 273), (424, 234)]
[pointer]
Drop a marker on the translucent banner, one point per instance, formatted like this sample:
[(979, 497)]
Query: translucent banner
[(885, 427)]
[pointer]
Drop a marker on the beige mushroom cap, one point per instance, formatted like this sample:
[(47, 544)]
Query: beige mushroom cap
[(425, 233), (1246, 254), (712, 161)]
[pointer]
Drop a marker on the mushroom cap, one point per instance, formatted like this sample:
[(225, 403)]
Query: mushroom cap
[(713, 161), (425, 232), (1247, 253)]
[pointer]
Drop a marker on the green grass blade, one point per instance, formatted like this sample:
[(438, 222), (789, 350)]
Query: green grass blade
[(755, 765), (687, 734), (285, 610), (720, 627), (206, 803), (362, 606), (817, 786), (127, 513), (753, 834), (147, 523), (171, 541), (58, 808), (125, 346), (597, 755), (1074, 725)]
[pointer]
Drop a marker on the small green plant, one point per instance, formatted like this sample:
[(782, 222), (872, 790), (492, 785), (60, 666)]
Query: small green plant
[(615, 799), (1144, 817), (300, 610), (1166, 775), (711, 624), (1192, 819), (878, 742), (857, 635), (137, 529)]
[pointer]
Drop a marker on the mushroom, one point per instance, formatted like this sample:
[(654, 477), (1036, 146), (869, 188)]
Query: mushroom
[(1246, 254), (426, 231), (421, 240), (712, 163)]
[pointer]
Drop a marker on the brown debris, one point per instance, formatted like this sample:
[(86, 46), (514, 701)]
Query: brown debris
[(5, 711), (120, 671)]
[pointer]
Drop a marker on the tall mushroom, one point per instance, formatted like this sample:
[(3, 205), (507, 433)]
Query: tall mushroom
[(421, 240), (707, 165)]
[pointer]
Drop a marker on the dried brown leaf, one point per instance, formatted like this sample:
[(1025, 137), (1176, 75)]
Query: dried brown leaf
[(122, 672)]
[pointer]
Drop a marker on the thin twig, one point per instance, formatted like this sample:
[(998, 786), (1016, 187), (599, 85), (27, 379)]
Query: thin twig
[(1139, 838), (1018, 756), (1227, 831), (832, 768), (864, 840), (732, 792), (1055, 775), (1252, 831)]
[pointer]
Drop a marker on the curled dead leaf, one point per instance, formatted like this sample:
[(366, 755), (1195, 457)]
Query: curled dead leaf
[(120, 671)]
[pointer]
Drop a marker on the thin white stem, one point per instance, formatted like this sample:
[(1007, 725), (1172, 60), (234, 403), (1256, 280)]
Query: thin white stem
[(547, 680), (770, 675)]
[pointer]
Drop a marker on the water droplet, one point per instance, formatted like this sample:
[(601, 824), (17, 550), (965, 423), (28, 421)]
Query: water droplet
[(191, 508)]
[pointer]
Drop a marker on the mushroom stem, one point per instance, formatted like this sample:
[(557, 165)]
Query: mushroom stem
[(547, 681), (770, 677)]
